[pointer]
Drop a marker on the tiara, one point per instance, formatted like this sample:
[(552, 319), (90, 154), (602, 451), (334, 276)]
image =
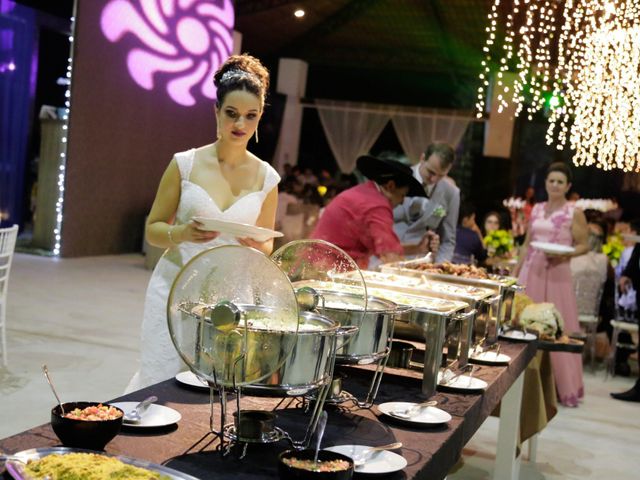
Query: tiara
[(238, 73)]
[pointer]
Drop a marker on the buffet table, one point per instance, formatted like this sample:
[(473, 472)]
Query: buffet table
[(431, 453)]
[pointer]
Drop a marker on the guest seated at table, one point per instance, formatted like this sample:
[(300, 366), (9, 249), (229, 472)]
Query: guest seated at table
[(360, 219), (631, 277), (469, 247)]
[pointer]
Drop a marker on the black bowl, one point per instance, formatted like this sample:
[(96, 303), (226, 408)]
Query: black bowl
[(89, 434), (288, 472)]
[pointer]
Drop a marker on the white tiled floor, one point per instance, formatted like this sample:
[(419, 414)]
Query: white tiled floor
[(82, 318)]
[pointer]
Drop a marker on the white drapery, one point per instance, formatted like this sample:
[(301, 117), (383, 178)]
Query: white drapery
[(352, 128), (417, 128)]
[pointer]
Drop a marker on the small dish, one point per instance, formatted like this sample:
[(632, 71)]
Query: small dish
[(382, 461), (155, 416), (489, 358), (424, 416), (518, 336), (463, 383), (192, 380), (553, 248), (240, 230)]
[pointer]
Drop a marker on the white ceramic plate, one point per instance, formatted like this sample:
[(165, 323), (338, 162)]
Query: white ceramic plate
[(191, 379), (16, 469), (553, 248), (490, 358), (518, 335), (630, 237), (240, 230), (155, 416), (380, 462), (464, 383), (425, 416)]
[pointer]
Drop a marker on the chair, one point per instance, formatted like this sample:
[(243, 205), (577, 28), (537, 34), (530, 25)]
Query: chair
[(589, 287), (625, 321), (7, 245)]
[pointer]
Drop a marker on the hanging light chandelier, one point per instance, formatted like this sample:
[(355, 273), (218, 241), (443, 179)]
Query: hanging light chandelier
[(593, 90)]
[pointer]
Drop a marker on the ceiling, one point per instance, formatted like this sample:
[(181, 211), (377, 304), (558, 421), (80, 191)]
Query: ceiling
[(426, 51), (414, 37)]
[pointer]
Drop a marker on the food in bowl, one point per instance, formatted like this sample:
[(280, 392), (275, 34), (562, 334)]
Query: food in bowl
[(84, 433), (300, 465), (88, 466), (94, 412), (319, 466)]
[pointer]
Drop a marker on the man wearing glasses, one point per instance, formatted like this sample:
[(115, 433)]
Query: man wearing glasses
[(439, 213)]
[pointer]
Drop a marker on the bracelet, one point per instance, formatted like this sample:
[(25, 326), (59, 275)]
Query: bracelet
[(173, 242)]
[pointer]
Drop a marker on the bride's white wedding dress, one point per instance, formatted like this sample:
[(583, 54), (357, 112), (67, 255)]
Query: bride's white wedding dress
[(159, 359)]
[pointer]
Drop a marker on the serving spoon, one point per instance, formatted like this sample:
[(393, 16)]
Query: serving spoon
[(46, 375), (135, 415), (365, 454), (410, 411), (322, 423)]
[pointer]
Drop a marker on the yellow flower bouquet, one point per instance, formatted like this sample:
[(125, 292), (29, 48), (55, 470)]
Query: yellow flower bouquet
[(498, 242), (613, 249)]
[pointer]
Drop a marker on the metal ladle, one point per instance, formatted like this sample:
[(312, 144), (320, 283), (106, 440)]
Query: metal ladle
[(46, 375)]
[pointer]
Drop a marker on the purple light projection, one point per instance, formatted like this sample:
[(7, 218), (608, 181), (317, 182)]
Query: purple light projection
[(186, 39)]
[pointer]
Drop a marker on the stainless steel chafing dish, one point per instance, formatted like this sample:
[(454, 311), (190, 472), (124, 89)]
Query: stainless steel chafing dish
[(483, 300), (486, 299), (459, 329), (436, 322), (505, 286)]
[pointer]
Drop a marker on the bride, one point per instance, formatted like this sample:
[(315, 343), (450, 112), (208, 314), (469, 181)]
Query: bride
[(223, 181)]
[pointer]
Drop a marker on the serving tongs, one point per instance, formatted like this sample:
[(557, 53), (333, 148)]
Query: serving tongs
[(449, 377)]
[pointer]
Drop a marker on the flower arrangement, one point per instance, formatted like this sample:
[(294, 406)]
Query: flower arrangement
[(600, 204), (514, 203), (498, 242), (613, 248)]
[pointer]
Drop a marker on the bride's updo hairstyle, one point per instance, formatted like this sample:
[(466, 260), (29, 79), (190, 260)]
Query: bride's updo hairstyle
[(241, 72)]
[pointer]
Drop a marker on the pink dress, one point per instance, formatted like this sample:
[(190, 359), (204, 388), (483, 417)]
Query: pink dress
[(548, 283)]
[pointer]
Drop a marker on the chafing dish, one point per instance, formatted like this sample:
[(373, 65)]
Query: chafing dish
[(483, 299), (505, 286), (233, 317), (437, 322)]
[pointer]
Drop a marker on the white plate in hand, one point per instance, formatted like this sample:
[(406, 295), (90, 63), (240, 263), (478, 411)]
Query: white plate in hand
[(630, 237), (191, 379), (382, 461), (240, 230), (518, 336), (155, 416), (490, 358), (425, 415), (464, 383), (553, 248)]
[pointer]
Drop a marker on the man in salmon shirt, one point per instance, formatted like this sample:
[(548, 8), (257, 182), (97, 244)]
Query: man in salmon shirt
[(360, 219)]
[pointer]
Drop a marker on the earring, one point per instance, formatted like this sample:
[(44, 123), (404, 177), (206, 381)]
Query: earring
[(256, 134), (218, 136)]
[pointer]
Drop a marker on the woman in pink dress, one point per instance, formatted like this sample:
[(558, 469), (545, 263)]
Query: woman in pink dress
[(547, 278)]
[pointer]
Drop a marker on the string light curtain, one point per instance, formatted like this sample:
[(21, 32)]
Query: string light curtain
[(599, 79), (588, 79)]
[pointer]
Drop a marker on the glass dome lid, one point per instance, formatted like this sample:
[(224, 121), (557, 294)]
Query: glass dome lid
[(232, 315), (317, 269)]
